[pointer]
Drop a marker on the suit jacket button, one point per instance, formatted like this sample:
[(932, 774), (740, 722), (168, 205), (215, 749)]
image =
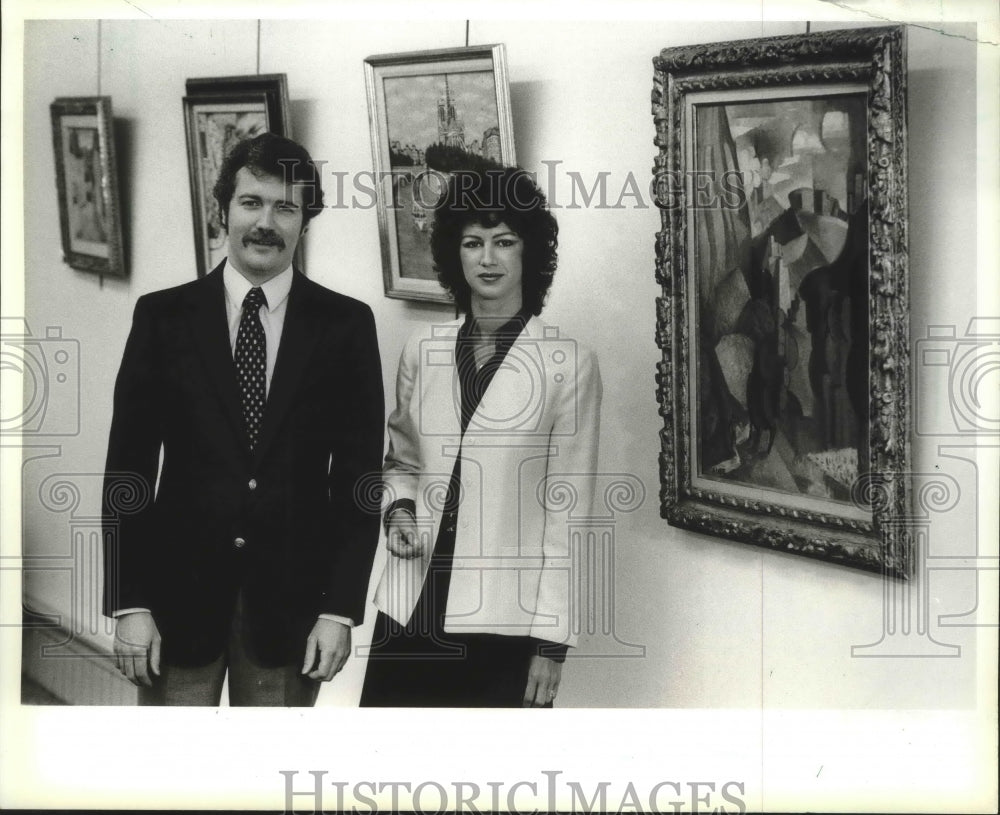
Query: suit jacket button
[(252, 484), (239, 543)]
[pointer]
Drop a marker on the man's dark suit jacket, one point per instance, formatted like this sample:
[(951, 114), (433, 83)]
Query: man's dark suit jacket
[(287, 523)]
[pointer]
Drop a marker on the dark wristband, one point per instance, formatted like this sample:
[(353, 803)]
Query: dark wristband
[(406, 504), (550, 650)]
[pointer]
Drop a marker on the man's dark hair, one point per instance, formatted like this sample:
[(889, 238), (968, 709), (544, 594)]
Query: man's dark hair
[(488, 197), (270, 154)]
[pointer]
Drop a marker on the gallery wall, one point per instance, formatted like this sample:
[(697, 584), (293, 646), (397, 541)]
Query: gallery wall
[(697, 622)]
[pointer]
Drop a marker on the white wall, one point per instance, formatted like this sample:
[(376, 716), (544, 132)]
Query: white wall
[(723, 624)]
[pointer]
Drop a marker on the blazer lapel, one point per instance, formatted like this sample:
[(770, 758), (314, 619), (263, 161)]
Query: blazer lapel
[(297, 338), (210, 327), (438, 385)]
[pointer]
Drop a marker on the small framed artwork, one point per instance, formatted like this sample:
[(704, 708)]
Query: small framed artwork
[(431, 113), (219, 113), (782, 320), (87, 183)]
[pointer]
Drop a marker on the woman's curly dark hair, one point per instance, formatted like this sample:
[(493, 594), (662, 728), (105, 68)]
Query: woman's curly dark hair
[(488, 197)]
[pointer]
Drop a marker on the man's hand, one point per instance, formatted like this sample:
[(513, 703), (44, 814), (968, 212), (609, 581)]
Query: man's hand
[(137, 647), (543, 681), (330, 641), (402, 537)]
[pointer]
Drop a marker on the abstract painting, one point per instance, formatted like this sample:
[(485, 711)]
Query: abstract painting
[(783, 313)]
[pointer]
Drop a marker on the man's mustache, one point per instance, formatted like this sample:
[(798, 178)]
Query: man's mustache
[(265, 237)]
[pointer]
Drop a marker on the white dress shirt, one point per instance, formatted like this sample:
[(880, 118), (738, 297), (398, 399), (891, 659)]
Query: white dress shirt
[(272, 317)]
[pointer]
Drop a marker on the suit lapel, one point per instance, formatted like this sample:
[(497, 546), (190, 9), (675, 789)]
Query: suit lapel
[(298, 335), (210, 327)]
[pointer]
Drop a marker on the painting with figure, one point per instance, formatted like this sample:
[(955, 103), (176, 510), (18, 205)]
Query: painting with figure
[(437, 123), (780, 255)]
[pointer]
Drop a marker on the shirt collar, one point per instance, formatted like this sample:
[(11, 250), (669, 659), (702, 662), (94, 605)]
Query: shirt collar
[(275, 290)]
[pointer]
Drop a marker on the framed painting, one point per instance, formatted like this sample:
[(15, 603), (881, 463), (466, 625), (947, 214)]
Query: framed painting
[(431, 113), (782, 320), (219, 113), (87, 184)]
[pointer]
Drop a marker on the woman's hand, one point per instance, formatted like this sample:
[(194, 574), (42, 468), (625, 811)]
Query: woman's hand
[(402, 536), (543, 681)]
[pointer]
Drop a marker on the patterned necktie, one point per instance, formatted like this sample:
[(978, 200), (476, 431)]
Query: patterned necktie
[(251, 363)]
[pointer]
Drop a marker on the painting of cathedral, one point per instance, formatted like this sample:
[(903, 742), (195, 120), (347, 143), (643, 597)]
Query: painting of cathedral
[(437, 123)]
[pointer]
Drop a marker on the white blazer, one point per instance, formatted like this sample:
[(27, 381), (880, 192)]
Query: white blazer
[(529, 449)]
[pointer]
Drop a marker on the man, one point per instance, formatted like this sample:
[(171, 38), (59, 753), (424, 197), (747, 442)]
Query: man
[(263, 392)]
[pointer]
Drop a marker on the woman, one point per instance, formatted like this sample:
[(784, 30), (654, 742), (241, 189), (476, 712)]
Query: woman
[(474, 603)]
